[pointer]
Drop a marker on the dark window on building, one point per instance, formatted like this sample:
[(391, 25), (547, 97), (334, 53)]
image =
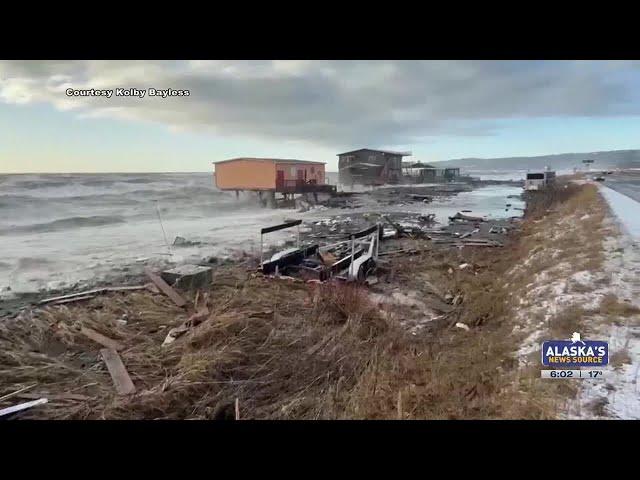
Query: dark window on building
[(535, 176)]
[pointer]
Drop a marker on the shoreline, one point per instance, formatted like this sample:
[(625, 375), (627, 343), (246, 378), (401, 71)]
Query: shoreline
[(390, 199), (414, 344)]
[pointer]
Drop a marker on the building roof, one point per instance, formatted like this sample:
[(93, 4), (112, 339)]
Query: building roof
[(275, 160), (388, 152)]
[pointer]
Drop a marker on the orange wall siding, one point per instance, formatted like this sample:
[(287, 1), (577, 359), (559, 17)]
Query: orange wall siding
[(312, 171), (246, 174)]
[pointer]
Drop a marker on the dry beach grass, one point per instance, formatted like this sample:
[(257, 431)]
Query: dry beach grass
[(294, 350)]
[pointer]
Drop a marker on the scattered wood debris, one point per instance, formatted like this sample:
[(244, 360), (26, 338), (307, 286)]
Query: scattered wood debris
[(17, 392), (73, 300), (22, 406), (193, 320), (467, 218), (101, 339), (88, 294), (119, 374), (165, 288)]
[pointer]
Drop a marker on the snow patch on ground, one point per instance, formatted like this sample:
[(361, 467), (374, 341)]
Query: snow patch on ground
[(618, 395), (625, 209), (560, 287), (555, 289)]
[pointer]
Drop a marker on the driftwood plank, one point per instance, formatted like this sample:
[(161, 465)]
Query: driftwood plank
[(101, 339), (17, 392), (52, 398), (22, 406), (95, 291), (73, 299), (165, 288), (119, 374)]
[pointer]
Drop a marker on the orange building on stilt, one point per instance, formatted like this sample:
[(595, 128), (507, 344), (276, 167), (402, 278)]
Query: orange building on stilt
[(271, 175)]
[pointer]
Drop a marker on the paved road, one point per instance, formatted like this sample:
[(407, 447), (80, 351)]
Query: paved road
[(623, 196), (627, 183)]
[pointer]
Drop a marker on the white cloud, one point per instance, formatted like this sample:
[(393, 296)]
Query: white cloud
[(331, 103)]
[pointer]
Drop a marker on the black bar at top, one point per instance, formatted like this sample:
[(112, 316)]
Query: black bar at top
[(280, 227)]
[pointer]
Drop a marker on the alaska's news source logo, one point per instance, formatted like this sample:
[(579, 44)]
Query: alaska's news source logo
[(575, 353)]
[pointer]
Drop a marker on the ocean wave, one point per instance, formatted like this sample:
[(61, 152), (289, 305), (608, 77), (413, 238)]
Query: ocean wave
[(21, 201), (63, 224), (140, 180), (113, 195), (111, 181), (177, 193), (30, 263), (97, 183), (38, 184)]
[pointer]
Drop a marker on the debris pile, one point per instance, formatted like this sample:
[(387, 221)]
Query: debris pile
[(245, 342), (351, 258)]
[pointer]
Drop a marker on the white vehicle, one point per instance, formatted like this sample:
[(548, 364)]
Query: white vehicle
[(539, 181)]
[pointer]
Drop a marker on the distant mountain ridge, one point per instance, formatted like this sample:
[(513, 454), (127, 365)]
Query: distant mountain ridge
[(614, 158)]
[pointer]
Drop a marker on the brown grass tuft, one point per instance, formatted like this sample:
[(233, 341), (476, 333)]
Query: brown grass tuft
[(290, 350), (610, 305)]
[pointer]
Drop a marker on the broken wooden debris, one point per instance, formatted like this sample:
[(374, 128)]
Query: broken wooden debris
[(327, 258), (430, 218), (458, 242), (164, 288), (17, 392), (402, 251), (400, 231), (75, 397), (467, 218), (101, 339), (119, 374), (422, 198), (188, 277), (275, 228), (74, 299), (22, 406), (191, 322), (91, 293)]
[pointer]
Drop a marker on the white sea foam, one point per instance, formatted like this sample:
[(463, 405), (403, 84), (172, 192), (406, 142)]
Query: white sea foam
[(57, 230)]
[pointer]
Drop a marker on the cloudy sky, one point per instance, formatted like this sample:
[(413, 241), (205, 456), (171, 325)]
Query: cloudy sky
[(309, 110)]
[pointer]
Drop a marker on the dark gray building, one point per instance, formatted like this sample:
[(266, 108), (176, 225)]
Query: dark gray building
[(370, 167), (418, 172)]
